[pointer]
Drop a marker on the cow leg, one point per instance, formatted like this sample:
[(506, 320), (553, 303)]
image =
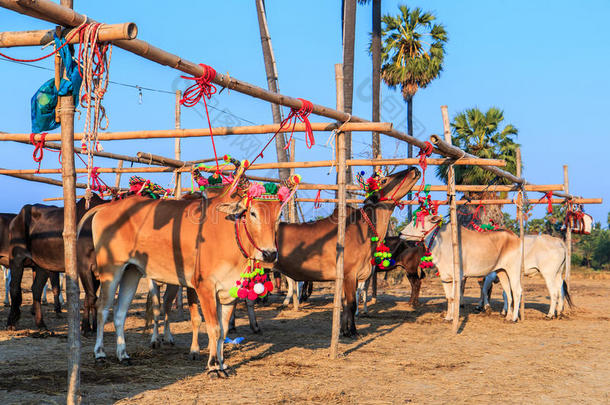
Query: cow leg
[(193, 303), (293, 291), (153, 292), (16, 266), (516, 289), (448, 287), (348, 321), (251, 317), (171, 291), (43, 297), (7, 285), (107, 293), (56, 287), (373, 287), (361, 291), (40, 280), (225, 313), (129, 285), (211, 313), (415, 282), (486, 287), (554, 284), (87, 278), (507, 294), (178, 297)]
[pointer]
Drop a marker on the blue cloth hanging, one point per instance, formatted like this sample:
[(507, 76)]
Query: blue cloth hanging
[(44, 100)]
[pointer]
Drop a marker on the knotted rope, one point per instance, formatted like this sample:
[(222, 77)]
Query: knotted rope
[(202, 89), (39, 149), (300, 114)]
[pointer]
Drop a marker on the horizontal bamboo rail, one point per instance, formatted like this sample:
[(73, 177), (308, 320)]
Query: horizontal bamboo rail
[(46, 180), (463, 188), (203, 132), (160, 160), (262, 166), (107, 32), (463, 202)]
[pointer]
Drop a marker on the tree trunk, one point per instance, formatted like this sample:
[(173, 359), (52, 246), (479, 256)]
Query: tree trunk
[(349, 36), (410, 147), (376, 78), (272, 78), (486, 214)]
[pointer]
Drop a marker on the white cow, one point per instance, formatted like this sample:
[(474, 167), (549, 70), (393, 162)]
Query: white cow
[(547, 255), (480, 254)]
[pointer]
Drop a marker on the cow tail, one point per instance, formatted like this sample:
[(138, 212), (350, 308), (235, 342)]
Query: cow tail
[(566, 294), (85, 217)]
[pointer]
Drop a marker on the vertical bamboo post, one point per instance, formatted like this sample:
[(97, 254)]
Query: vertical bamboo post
[(69, 235), (341, 192), (457, 274), (521, 219), (177, 149), (117, 179), (566, 186)]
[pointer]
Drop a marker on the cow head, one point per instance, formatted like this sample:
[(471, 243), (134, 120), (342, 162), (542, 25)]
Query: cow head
[(418, 229), (394, 187)]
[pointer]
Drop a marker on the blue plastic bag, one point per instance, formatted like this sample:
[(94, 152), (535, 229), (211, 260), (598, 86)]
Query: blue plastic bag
[(44, 100)]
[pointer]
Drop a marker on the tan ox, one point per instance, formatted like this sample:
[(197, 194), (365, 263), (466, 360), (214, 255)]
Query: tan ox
[(307, 251), (189, 243), (480, 254)]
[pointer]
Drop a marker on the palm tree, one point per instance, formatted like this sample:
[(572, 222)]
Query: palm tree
[(480, 134), (271, 71), (413, 53)]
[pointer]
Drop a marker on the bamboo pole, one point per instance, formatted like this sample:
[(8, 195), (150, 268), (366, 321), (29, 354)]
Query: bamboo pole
[(521, 219), (451, 196), (177, 147), (69, 236), (117, 179), (461, 202), (107, 32), (342, 214), (458, 188), (204, 132), (566, 186), (161, 160)]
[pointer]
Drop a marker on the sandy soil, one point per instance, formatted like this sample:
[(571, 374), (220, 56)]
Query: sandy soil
[(402, 356)]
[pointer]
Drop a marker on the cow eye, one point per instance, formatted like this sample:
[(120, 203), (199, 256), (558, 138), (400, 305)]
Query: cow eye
[(253, 214)]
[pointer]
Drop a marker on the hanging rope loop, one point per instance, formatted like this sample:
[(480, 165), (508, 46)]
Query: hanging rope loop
[(202, 89)]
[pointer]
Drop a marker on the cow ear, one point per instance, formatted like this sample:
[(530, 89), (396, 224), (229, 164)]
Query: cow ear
[(436, 219), (234, 208)]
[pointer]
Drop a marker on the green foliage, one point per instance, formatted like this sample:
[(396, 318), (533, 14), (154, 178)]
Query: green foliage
[(510, 223), (412, 51), (480, 134)]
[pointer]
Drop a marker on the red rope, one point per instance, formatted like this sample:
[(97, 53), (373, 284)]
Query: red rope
[(39, 149), (97, 184), (423, 154), (316, 203), (301, 114), (202, 89), (50, 54), (549, 197), (99, 51)]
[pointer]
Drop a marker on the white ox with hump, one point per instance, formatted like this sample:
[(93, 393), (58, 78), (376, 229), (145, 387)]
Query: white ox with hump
[(547, 255), (480, 254)]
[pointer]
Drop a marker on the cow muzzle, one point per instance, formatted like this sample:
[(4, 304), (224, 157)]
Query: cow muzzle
[(270, 256)]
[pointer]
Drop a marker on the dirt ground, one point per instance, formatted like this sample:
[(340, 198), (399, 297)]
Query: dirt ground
[(402, 356)]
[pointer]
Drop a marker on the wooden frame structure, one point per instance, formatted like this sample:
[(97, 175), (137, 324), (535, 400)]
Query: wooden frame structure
[(64, 15)]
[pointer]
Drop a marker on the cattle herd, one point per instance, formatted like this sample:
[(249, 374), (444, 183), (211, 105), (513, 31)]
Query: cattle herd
[(214, 243)]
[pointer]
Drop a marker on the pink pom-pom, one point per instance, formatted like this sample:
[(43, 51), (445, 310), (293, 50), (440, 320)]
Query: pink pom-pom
[(283, 193), (242, 293), (202, 181), (255, 190), (252, 295), (268, 286)]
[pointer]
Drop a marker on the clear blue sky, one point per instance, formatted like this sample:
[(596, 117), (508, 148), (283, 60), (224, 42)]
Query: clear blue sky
[(544, 64)]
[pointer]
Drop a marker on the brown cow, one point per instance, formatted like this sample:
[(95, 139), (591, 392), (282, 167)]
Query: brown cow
[(36, 240), (307, 251), (407, 256), (5, 221), (190, 243)]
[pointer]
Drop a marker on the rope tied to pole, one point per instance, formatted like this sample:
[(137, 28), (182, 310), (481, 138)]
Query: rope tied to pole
[(423, 154), (202, 89), (300, 114), (317, 204), (39, 149)]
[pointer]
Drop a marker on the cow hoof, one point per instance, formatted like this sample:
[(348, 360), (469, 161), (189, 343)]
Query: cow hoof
[(229, 372), (125, 362), (256, 331), (217, 374), (155, 344), (194, 356), (100, 360), (58, 310), (232, 330), (170, 342), (11, 328), (548, 318)]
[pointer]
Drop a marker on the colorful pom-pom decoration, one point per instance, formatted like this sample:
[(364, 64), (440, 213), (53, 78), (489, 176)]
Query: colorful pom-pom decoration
[(253, 282)]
